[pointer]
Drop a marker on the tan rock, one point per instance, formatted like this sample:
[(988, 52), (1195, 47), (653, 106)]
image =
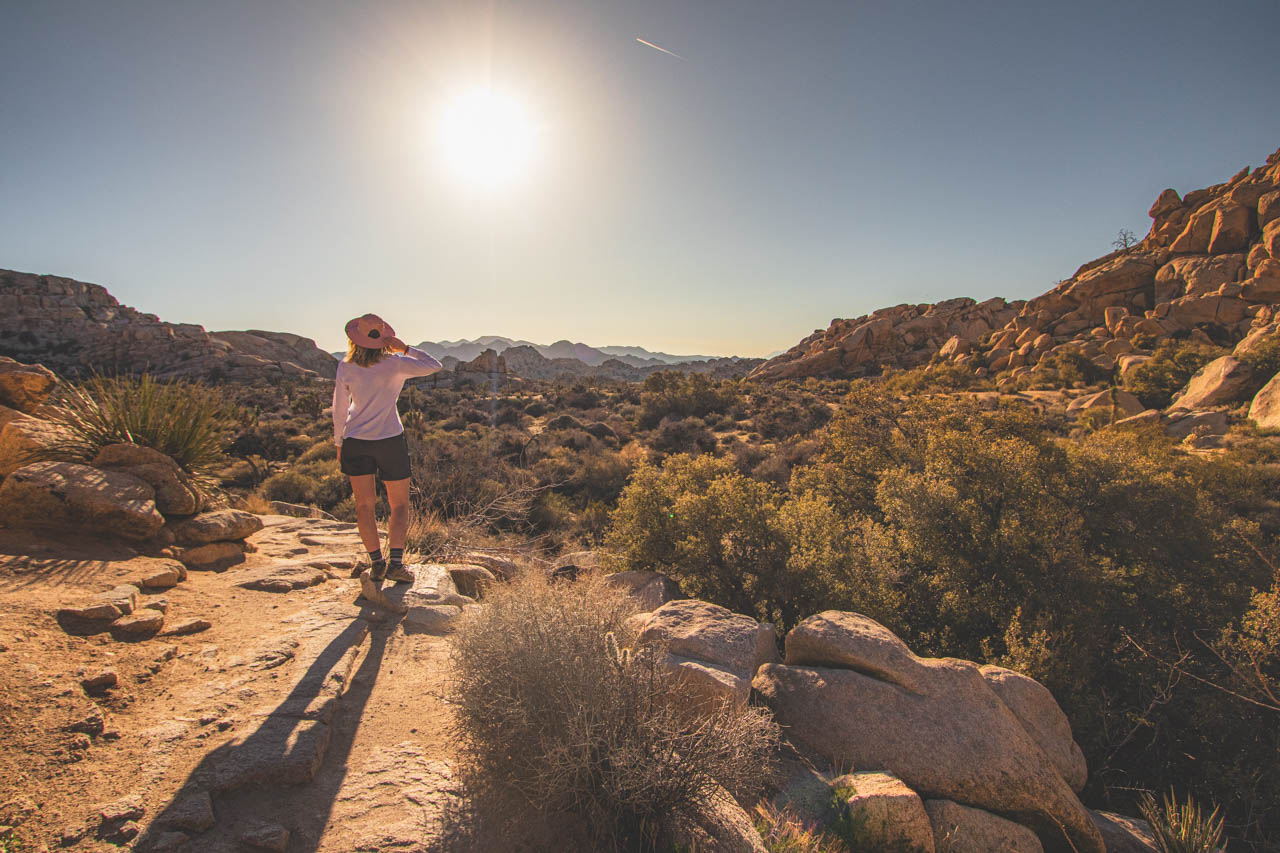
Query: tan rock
[(707, 632), (1117, 347), (1167, 203), (1115, 313), (707, 685), (888, 814), (1219, 382), (961, 829), (719, 826), (1122, 402), (163, 574), (64, 495), (471, 580), (1194, 238), (1034, 706), (23, 439), (1264, 411), (144, 621), (222, 525), (176, 492), (1268, 208), (25, 387), (1256, 255), (1127, 363), (862, 699), (1231, 226), (1196, 276), (1271, 238), (1150, 417), (651, 590), (214, 556)]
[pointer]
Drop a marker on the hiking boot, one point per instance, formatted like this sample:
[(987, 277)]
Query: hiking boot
[(399, 574), (378, 570)]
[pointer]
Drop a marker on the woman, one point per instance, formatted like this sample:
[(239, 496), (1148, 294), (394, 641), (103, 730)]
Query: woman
[(369, 435)]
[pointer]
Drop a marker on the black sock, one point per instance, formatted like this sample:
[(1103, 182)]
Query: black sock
[(375, 556), (397, 556)]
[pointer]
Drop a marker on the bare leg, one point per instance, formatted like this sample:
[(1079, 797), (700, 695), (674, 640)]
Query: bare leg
[(398, 498), (365, 489)]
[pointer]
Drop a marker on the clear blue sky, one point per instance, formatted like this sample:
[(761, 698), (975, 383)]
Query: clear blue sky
[(274, 163)]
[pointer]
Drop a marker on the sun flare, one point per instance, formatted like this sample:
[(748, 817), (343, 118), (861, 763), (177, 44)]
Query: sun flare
[(488, 139)]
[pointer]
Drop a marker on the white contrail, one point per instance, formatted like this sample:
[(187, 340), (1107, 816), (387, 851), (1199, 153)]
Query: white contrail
[(663, 49)]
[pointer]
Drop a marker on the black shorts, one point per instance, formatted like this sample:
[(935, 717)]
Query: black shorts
[(386, 456)]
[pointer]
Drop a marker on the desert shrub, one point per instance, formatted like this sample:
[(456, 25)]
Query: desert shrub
[(1065, 369), (535, 409), (186, 421), (1264, 358), (269, 439), (782, 417), (331, 490), (784, 831), (669, 393), (1181, 827), (565, 422), (1155, 381), (320, 452), (940, 377), (556, 715), (290, 487), (686, 435)]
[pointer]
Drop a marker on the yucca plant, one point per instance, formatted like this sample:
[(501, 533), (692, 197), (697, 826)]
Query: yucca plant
[(1181, 827), (186, 421)]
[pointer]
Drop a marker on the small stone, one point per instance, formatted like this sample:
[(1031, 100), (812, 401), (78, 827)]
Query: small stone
[(71, 835), (161, 604), (267, 836), (100, 682), (169, 842), (187, 626), (92, 723), (129, 808), (80, 742), (139, 623)]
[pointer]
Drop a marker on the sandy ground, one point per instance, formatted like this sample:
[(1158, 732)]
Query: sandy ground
[(298, 713)]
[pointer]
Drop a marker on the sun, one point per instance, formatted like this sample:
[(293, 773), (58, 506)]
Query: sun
[(488, 139)]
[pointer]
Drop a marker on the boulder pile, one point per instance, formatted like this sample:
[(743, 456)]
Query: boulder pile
[(73, 326)]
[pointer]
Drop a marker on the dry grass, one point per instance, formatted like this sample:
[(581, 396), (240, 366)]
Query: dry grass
[(256, 503), (557, 717), (783, 831)]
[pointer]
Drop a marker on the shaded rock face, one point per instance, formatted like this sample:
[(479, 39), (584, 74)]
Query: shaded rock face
[(888, 814), (1206, 264), (62, 495), (281, 348), (960, 829), (853, 694), (1037, 710), (73, 327)]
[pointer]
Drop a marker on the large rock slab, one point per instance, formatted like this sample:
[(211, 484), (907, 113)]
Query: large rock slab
[(283, 577), (25, 387), (1264, 411), (212, 557), (1125, 404), (960, 829), (222, 525), (64, 495), (1218, 383), (176, 492), (853, 694), (888, 814), (1037, 710), (1182, 423)]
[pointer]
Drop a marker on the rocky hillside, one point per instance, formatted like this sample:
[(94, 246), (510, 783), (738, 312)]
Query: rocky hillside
[(1210, 267), (464, 350), (527, 363), (72, 327)]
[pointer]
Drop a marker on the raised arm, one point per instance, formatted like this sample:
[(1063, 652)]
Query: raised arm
[(415, 362), (341, 404)]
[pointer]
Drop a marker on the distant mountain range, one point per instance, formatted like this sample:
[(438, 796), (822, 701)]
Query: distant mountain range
[(465, 350)]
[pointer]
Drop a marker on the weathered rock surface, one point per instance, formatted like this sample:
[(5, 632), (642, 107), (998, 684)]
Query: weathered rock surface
[(712, 651), (222, 525), (722, 826), (1125, 404), (1264, 410), (1218, 383), (25, 387), (960, 829), (283, 577), (888, 814), (281, 349), (853, 694), (213, 557), (64, 495), (176, 493), (471, 581), (1037, 710), (22, 438), (1183, 423)]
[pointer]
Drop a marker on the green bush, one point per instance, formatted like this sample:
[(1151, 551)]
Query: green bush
[(1264, 358), (1155, 381), (186, 421), (290, 487), (669, 393), (557, 716)]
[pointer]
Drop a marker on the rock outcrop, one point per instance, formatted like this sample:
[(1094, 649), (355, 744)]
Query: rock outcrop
[(1211, 263), (63, 495), (853, 695), (75, 327)]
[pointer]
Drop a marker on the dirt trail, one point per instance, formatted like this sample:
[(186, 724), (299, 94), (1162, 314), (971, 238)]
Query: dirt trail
[(299, 712)]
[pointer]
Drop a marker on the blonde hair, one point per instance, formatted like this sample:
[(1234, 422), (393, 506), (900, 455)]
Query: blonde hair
[(363, 356)]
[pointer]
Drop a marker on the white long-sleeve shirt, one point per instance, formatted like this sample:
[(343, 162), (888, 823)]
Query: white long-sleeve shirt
[(364, 398)]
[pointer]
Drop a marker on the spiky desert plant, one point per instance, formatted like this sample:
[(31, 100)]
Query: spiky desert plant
[(186, 421), (1181, 827)]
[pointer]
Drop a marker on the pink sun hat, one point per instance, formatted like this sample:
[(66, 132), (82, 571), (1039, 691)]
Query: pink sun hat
[(370, 331)]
